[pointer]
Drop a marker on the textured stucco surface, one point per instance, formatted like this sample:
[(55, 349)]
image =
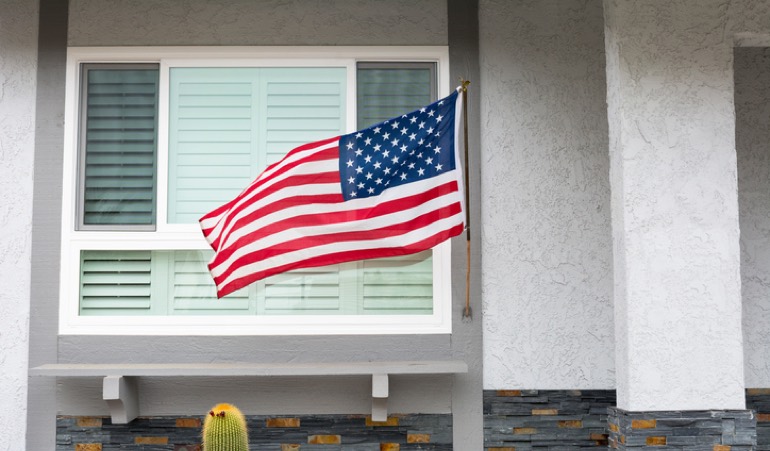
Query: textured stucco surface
[(546, 274), (752, 141), (18, 52), (260, 22), (674, 200)]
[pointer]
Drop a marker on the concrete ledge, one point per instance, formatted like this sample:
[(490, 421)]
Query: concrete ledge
[(121, 390)]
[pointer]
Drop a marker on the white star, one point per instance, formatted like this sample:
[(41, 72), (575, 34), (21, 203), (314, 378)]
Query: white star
[(441, 103), (420, 142), (377, 165), (351, 180), (394, 125), (419, 155), (361, 185), (438, 133), (386, 136), (430, 130), (353, 194), (368, 141), (412, 137), (421, 125), (403, 176), (386, 171), (422, 110), (376, 130), (403, 148), (429, 160), (369, 175), (439, 117), (359, 135), (413, 119), (431, 113), (421, 171), (411, 165), (371, 190), (386, 154), (394, 142), (437, 149), (439, 167), (378, 181), (394, 160), (368, 158), (350, 163), (359, 152), (350, 146), (404, 130), (359, 170), (377, 147)]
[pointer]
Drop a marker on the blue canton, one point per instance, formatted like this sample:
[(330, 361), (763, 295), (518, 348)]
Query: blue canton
[(415, 146)]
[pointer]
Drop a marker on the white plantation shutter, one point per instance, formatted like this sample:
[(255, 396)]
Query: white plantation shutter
[(228, 124), (118, 146), (115, 283)]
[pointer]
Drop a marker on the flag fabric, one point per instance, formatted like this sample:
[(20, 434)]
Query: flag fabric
[(392, 189)]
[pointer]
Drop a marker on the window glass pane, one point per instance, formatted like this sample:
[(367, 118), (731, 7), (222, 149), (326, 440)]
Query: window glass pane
[(386, 90), (227, 124), (118, 143), (118, 283)]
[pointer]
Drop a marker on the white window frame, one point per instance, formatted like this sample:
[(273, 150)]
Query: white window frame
[(188, 236)]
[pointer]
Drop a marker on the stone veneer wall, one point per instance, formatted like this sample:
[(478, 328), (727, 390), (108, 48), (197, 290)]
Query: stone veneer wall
[(758, 400), (516, 420), (713, 430), (305, 433)]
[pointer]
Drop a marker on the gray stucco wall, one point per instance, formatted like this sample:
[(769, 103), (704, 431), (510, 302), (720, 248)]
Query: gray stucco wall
[(199, 22), (18, 65), (752, 141), (547, 271), (263, 22)]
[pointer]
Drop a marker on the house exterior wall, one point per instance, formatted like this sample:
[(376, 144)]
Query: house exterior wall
[(199, 22), (752, 142), (18, 65), (547, 268), (678, 307)]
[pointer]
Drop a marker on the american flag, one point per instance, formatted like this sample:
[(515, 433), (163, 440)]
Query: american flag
[(392, 189)]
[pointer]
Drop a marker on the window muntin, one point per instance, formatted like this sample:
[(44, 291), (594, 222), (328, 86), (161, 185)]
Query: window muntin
[(171, 240)]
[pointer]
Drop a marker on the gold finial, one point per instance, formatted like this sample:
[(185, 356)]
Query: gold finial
[(464, 84)]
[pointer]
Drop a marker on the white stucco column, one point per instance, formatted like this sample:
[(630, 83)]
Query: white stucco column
[(677, 293)]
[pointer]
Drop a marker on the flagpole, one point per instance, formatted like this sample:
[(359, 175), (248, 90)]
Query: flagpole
[(467, 311)]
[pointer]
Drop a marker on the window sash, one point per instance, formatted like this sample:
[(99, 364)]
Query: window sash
[(111, 142), (186, 236)]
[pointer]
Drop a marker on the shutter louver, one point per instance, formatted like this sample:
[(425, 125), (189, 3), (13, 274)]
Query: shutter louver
[(311, 291), (398, 285), (115, 282), (120, 141), (386, 92), (193, 291)]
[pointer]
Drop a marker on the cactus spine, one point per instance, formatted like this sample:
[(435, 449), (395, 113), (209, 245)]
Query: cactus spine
[(225, 429)]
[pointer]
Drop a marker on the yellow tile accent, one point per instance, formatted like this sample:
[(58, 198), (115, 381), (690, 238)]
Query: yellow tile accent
[(88, 447), (614, 427), (390, 447), (282, 422), (151, 440), (508, 392), (571, 424), (324, 439), (289, 447), (722, 448), (524, 431), (89, 422), (392, 421), (758, 391), (643, 424), (545, 412), (596, 436), (188, 422), (763, 417), (656, 441), (417, 438)]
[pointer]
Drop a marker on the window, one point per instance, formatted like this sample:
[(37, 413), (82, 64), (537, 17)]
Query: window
[(158, 137)]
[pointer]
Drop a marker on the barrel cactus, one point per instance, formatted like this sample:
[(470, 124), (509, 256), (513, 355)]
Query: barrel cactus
[(225, 429)]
